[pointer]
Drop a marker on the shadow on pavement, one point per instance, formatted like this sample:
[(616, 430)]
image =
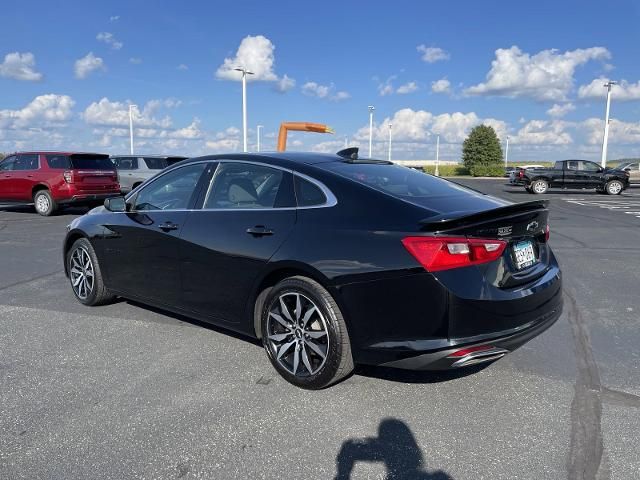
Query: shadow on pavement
[(395, 447), (417, 376), (30, 209)]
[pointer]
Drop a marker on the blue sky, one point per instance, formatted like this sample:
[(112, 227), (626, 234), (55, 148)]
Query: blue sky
[(534, 71)]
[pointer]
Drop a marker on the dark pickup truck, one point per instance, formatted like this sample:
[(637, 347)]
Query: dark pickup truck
[(575, 174)]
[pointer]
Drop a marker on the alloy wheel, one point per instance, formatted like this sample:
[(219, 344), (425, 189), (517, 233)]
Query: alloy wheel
[(540, 187), (42, 203), (81, 273), (297, 334), (615, 188)]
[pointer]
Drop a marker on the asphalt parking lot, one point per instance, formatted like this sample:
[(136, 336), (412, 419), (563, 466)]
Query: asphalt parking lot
[(124, 391)]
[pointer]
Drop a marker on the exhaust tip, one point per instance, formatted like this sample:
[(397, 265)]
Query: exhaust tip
[(475, 355)]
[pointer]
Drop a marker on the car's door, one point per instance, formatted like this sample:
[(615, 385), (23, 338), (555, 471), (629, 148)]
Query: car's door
[(591, 174), (634, 172), (572, 175), (142, 245), (248, 211), (7, 187), (25, 170)]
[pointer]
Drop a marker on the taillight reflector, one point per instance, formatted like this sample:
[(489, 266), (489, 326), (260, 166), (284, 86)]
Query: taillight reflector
[(68, 176), (444, 253), (546, 233), (467, 351)]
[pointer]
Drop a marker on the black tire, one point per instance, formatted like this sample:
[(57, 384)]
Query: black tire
[(44, 203), (338, 360), (614, 187), (539, 186), (99, 295), (528, 189)]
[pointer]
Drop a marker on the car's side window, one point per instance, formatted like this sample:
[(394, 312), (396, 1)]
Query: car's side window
[(589, 166), (61, 162), (239, 185), (26, 162), (7, 163), (308, 194), (172, 191), (573, 165), (126, 163)]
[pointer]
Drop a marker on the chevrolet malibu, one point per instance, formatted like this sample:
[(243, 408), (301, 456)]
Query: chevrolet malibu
[(331, 260)]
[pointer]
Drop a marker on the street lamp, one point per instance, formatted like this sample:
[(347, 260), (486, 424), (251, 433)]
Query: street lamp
[(245, 72), (258, 129), (390, 125), (605, 139), (131, 107), (506, 153), (371, 109), (437, 172)]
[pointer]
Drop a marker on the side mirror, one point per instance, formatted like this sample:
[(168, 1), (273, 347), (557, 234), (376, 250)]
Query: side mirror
[(628, 169), (115, 204)]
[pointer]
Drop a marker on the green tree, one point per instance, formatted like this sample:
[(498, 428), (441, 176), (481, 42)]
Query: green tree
[(482, 153), (1, 155)]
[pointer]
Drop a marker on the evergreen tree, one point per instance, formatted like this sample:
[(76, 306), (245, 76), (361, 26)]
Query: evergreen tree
[(482, 153)]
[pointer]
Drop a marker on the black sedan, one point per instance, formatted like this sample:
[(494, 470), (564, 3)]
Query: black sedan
[(331, 260)]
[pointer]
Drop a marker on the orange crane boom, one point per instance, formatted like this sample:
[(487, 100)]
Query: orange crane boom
[(285, 127)]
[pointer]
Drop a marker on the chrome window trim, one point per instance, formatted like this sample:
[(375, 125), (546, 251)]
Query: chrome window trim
[(331, 200)]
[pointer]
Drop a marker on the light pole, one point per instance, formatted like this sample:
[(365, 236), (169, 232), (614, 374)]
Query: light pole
[(371, 109), (605, 139), (390, 125), (258, 129), (346, 142), (506, 153), (245, 72), (131, 107), (437, 172)]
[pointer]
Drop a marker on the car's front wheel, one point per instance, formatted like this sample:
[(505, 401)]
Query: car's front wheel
[(305, 335), (85, 274), (44, 203), (614, 187)]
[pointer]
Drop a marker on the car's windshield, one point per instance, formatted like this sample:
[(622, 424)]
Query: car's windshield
[(91, 162), (405, 183)]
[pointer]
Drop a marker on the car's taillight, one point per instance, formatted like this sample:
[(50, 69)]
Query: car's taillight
[(443, 253), (546, 233), (68, 176), (521, 173)]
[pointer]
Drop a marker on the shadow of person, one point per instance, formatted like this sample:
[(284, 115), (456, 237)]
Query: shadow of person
[(395, 446)]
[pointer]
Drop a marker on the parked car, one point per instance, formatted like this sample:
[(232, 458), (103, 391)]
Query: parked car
[(50, 180), (134, 170), (331, 260), (576, 174), (633, 168), (515, 177), (508, 170)]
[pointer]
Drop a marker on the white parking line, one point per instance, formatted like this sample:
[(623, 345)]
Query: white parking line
[(630, 206)]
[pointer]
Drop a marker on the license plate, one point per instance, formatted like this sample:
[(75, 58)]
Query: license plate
[(525, 256)]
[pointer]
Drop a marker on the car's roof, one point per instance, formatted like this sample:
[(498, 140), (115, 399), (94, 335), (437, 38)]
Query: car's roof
[(56, 152), (149, 156)]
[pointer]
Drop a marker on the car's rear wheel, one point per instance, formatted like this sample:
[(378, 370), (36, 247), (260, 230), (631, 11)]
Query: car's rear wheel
[(44, 203), (614, 187), (539, 186), (85, 275), (305, 335)]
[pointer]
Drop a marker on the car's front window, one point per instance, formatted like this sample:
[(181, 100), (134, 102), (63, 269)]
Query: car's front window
[(172, 191)]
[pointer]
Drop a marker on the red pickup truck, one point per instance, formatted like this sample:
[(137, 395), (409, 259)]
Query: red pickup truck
[(53, 179)]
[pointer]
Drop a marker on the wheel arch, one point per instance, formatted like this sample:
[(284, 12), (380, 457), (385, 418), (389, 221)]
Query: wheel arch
[(39, 186), (70, 239), (278, 272)]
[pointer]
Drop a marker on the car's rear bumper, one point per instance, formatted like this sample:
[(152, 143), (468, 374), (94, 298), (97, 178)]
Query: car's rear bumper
[(87, 198)]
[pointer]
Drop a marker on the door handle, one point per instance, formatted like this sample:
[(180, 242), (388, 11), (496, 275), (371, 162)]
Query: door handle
[(259, 231), (168, 226)]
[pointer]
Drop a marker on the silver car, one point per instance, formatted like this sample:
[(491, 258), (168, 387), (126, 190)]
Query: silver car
[(134, 170), (633, 168)]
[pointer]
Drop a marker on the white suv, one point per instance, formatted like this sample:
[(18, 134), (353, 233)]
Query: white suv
[(134, 170)]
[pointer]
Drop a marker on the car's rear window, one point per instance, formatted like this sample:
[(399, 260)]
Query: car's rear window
[(405, 183), (91, 162)]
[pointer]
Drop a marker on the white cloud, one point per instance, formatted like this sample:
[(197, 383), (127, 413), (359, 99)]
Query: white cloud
[(330, 146), (20, 66), (560, 110), (256, 55), (547, 75), (433, 54), (543, 132), (620, 132), (409, 87), (43, 111), (110, 40), (135, 60), (285, 84), (116, 114), (441, 86), (114, 18), (314, 89), (624, 91), (86, 65), (182, 66), (190, 132)]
